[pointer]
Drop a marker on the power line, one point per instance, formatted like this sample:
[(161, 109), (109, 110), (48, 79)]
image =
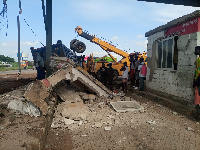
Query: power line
[(32, 31)]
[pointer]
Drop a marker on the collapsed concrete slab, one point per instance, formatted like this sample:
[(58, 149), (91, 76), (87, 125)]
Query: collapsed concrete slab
[(39, 91), (24, 107), (76, 75), (124, 106), (68, 94)]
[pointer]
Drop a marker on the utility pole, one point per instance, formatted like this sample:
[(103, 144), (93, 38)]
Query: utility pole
[(48, 27), (18, 24)]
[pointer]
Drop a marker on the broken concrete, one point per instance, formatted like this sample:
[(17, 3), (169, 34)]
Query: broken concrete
[(24, 107), (68, 94), (37, 93), (124, 106)]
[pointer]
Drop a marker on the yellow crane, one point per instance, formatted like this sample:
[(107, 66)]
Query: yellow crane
[(108, 48)]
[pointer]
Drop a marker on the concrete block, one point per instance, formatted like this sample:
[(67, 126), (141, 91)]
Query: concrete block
[(124, 106), (68, 121), (24, 107)]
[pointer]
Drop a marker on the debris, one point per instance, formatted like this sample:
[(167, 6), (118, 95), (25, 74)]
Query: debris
[(92, 97), (75, 111), (109, 122), (142, 110), (85, 97), (107, 128), (37, 93), (117, 98), (83, 117), (68, 121), (100, 105), (127, 98), (84, 135), (98, 124), (68, 94), (151, 122), (175, 113), (111, 116), (80, 123), (190, 129), (24, 107), (124, 106)]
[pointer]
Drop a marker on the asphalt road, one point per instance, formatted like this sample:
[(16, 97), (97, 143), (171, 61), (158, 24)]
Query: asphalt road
[(23, 71)]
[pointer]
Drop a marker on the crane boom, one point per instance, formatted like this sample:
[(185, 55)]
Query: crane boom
[(104, 45)]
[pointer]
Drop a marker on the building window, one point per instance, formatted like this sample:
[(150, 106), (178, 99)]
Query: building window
[(165, 53)]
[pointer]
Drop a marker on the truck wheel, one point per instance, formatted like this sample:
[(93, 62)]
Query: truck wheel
[(79, 47), (72, 44), (116, 74)]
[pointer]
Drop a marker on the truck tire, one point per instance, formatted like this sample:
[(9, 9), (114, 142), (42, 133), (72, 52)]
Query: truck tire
[(116, 74), (72, 44), (79, 47)]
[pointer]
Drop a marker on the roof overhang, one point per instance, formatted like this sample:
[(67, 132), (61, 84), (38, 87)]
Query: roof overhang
[(194, 3), (174, 22)]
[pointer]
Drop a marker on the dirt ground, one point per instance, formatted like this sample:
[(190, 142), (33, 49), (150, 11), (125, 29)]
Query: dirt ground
[(98, 127), (10, 81)]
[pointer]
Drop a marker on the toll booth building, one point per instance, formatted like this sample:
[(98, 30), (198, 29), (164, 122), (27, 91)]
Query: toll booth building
[(170, 56)]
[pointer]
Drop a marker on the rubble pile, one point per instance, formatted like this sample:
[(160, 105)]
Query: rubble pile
[(81, 109)]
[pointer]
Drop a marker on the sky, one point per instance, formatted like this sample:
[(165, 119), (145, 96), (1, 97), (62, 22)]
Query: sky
[(124, 22)]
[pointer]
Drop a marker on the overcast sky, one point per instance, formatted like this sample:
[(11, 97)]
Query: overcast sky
[(124, 22)]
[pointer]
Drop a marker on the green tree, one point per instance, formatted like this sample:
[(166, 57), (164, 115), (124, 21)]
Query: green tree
[(6, 59)]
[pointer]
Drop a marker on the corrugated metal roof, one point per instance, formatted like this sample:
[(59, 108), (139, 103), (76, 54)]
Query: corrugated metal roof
[(174, 22)]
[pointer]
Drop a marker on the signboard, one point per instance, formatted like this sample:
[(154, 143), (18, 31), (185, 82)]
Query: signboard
[(20, 54), (25, 55), (188, 27)]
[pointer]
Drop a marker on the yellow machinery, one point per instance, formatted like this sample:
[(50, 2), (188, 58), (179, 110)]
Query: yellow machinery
[(93, 67), (24, 64)]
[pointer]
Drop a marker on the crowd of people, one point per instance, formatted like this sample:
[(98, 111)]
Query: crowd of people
[(137, 74)]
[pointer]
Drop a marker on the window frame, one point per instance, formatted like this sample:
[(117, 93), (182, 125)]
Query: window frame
[(157, 48)]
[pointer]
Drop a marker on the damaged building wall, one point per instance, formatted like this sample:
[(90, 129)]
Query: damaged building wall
[(175, 81)]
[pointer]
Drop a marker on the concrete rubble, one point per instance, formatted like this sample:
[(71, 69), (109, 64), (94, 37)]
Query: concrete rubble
[(39, 91), (24, 107)]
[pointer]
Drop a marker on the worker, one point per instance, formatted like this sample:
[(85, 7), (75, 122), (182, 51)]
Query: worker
[(124, 77), (110, 76), (132, 68), (40, 66), (196, 85), (137, 63), (103, 73), (142, 73)]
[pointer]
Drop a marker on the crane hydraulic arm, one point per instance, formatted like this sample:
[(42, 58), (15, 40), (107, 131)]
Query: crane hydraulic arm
[(104, 45)]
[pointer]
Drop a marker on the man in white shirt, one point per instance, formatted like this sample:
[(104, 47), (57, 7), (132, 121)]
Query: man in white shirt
[(124, 77), (40, 66)]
